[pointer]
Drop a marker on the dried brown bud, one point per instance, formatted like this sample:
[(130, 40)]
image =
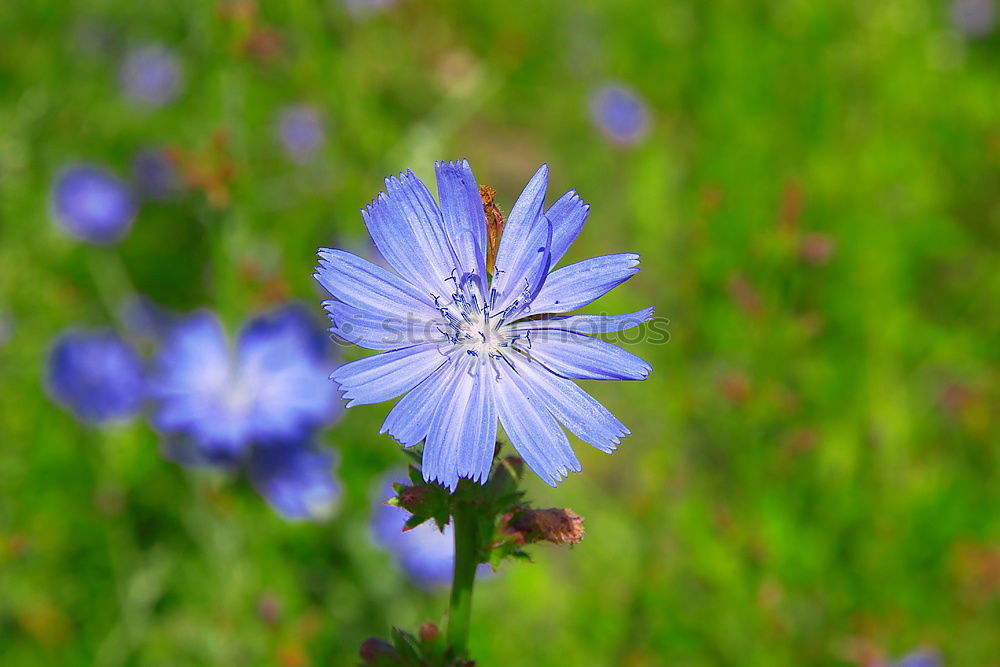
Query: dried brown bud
[(269, 610), (374, 648), (817, 249), (735, 386), (494, 225), (429, 632), (559, 526)]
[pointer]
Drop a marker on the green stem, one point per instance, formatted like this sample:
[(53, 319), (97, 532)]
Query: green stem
[(460, 610)]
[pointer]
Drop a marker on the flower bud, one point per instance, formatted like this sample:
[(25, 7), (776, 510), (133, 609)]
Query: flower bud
[(494, 225), (373, 650), (429, 632), (559, 526)]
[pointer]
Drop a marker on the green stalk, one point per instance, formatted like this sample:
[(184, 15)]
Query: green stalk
[(460, 610)]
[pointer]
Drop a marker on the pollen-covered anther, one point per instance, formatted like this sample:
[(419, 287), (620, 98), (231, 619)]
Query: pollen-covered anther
[(556, 525)]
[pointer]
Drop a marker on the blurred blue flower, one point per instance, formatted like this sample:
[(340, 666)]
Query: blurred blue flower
[(296, 479), (974, 18), (151, 76), (144, 319), (300, 132), (919, 659), (92, 205), (425, 554), (271, 389), (96, 375), (620, 114), (152, 174), (6, 327), (362, 7), (465, 352)]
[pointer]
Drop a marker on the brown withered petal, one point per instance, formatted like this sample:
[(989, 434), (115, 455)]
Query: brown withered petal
[(556, 525), (494, 225)]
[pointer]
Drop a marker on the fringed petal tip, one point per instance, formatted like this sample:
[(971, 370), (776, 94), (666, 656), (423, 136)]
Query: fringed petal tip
[(450, 482), (557, 476), (458, 163)]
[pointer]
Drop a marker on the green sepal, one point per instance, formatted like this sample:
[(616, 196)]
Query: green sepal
[(407, 645)]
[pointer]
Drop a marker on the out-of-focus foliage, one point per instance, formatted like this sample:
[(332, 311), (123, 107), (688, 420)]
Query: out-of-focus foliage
[(812, 475)]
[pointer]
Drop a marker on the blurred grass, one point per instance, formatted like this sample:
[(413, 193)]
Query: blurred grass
[(812, 473)]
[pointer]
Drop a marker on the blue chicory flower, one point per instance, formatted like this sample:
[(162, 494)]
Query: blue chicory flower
[(919, 659), (296, 480), (424, 553), (466, 351), (974, 18), (300, 132), (620, 114), (96, 375), (91, 204), (271, 389), (151, 76), (152, 174), (7, 326), (362, 7)]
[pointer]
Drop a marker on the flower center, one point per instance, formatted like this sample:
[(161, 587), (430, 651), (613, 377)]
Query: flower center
[(475, 332)]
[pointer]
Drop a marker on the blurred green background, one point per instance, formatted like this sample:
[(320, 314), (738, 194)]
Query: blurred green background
[(812, 475)]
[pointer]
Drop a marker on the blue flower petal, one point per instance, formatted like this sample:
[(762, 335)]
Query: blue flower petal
[(278, 359), (407, 227), (297, 480), (409, 420), (464, 219), (191, 382), (580, 357), (387, 375), (360, 283), (567, 216), (535, 435), (273, 389), (919, 659), (376, 332), (587, 324), (575, 409), (525, 238), (92, 204), (462, 436), (291, 323), (579, 284), (96, 375)]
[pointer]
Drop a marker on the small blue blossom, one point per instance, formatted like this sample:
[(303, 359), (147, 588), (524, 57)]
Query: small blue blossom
[(6, 327), (919, 659), (362, 7), (465, 351), (96, 375), (974, 18), (92, 205), (620, 114), (153, 176), (271, 389), (151, 76), (425, 554), (296, 479), (300, 132)]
